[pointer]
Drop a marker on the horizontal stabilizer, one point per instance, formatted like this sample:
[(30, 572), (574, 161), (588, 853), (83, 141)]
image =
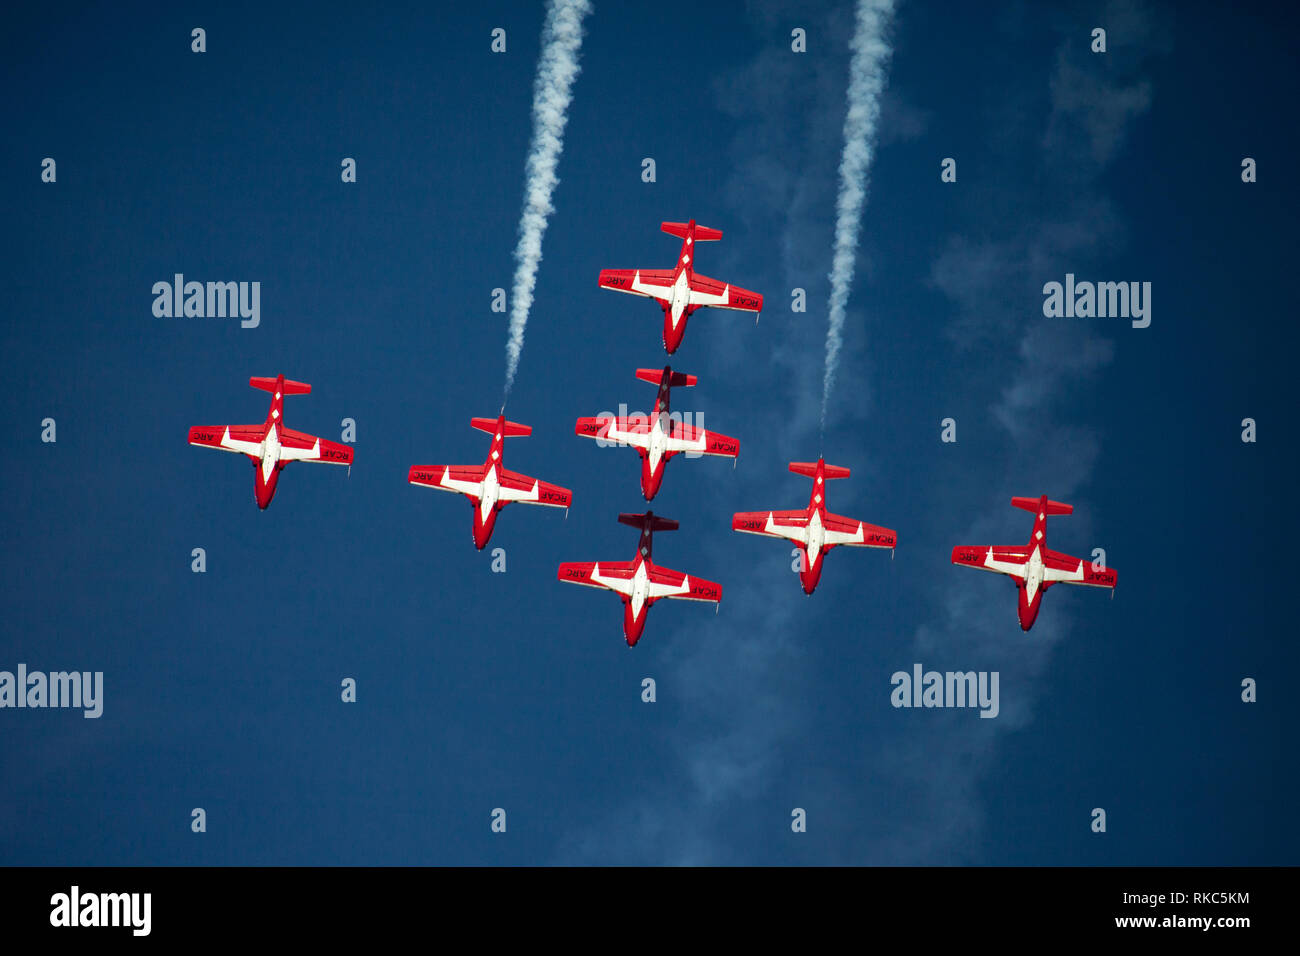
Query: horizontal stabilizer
[(809, 468), (649, 520), (655, 376), (508, 429), (1032, 504), (290, 387), (702, 233)]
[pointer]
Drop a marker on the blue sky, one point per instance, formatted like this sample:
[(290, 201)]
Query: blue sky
[(479, 690)]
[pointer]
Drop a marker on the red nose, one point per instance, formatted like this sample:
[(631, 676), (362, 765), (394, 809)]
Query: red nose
[(264, 491), (810, 576), (673, 336), (632, 627), (651, 480)]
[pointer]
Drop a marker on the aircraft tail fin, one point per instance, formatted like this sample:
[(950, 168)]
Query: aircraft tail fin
[(702, 233), (809, 468), (1032, 504), (290, 387), (508, 430), (655, 376), (648, 522)]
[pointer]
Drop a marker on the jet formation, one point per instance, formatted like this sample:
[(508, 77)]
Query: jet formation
[(658, 438)]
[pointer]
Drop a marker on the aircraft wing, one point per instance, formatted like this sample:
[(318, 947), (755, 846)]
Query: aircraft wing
[(857, 534), (629, 431), (655, 283), (667, 583), (241, 439), (1064, 569), (792, 525), (613, 576), (462, 479), (1009, 560), (530, 491), (706, 291), (689, 438), (298, 446)]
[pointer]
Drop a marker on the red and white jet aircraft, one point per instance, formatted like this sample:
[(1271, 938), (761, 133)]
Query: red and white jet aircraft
[(659, 438), (640, 582), (271, 445), (489, 486), (814, 528), (1035, 567), (681, 290)]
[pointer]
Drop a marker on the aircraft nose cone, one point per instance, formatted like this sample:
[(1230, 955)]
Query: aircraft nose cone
[(483, 529), (673, 336), (808, 580)]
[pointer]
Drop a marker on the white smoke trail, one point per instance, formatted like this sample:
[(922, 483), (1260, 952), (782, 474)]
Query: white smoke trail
[(866, 82), (552, 91)]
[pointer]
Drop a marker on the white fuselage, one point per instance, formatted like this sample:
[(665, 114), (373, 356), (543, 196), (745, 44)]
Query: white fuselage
[(679, 297), (270, 452), (490, 490), (640, 589), (658, 440), (1033, 573), (816, 538)]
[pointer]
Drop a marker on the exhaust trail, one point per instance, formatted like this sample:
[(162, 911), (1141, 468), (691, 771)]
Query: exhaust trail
[(552, 92), (867, 68)]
